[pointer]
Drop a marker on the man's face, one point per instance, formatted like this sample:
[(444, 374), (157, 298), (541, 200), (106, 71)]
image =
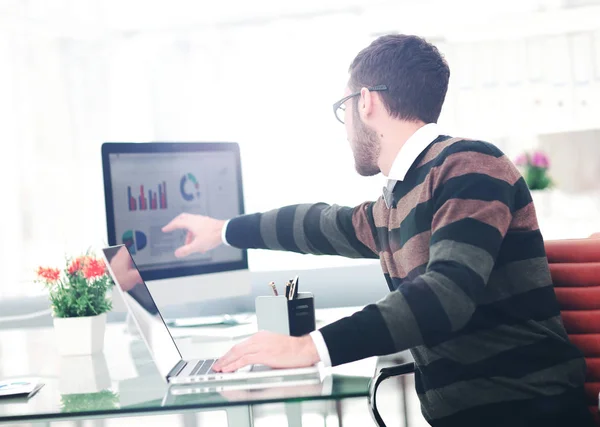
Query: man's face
[(364, 141)]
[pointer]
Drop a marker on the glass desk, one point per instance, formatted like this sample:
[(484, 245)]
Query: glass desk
[(123, 381)]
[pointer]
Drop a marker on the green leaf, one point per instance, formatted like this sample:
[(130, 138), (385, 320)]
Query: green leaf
[(537, 178)]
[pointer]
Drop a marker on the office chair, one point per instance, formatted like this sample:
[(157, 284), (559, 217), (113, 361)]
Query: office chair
[(575, 270)]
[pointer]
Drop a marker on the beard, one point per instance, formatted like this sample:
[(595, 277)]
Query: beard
[(366, 148)]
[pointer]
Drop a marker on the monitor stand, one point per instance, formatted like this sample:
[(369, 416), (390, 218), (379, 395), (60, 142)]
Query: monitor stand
[(206, 287)]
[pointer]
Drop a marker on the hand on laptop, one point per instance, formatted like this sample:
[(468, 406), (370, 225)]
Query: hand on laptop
[(203, 233), (270, 349)]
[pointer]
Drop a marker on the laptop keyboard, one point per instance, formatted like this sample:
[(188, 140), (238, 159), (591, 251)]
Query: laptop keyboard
[(203, 367)]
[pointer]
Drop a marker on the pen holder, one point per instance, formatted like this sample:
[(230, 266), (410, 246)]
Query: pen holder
[(289, 317)]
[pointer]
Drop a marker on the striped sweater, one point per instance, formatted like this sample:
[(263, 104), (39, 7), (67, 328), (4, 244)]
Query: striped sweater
[(470, 289)]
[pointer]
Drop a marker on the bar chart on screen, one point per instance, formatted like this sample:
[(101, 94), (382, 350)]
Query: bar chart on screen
[(150, 200)]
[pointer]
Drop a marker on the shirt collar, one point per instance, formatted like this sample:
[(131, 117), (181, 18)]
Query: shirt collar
[(411, 149), (407, 155)]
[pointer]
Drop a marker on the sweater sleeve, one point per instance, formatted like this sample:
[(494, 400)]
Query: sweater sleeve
[(471, 209), (318, 229)]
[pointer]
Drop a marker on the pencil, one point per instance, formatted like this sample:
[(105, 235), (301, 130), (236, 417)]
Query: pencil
[(272, 284)]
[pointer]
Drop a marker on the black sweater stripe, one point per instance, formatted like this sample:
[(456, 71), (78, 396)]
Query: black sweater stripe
[(533, 357), (244, 232), (419, 174)]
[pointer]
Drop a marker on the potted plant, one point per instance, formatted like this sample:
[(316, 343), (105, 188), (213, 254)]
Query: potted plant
[(534, 168), (78, 296)]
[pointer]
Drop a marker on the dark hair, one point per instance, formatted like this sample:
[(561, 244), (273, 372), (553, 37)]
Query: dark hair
[(414, 71)]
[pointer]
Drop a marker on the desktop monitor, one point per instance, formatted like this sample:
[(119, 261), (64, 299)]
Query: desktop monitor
[(146, 185)]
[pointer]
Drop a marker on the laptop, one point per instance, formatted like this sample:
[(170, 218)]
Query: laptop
[(157, 337)]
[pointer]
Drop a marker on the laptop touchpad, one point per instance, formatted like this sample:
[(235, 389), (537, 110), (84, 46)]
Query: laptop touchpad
[(260, 368)]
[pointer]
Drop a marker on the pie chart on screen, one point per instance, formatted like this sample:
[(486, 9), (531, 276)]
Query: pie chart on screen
[(134, 240)]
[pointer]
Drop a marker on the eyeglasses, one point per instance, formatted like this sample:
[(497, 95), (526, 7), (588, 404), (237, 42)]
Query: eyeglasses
[(339, 108)]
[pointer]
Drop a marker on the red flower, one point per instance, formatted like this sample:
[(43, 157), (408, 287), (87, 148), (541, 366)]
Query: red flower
[(50, 275), (77, 265), (94, 268)]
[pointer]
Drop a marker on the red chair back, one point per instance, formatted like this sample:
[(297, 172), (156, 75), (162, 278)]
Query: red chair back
[(575, 269)]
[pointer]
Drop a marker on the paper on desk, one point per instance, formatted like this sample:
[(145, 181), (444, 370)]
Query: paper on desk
[(224, 320), (19, 387), (228, 332)]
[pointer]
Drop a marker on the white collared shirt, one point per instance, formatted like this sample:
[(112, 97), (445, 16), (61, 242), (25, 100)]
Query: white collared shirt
[(409, 152), (407, 155)]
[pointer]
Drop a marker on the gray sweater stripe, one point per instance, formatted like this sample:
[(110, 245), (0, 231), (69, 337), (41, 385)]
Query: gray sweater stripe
[(481, 345), (400, 321), (457, 304), (268, 230), (298, 228), (331, 231), (462, 253), (509, 280)]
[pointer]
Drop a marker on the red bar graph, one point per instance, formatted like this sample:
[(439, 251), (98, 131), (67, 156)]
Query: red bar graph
[(142, 199), (152, 201), (132, 202), (162, 195)]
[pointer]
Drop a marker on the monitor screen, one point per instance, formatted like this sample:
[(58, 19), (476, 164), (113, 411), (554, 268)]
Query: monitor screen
[(148, 184)]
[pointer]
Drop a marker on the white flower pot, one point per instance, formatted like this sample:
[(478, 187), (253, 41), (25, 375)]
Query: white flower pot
[(77, 336)]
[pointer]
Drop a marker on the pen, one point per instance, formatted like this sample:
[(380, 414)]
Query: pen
[(293, 289), (272, 284), (296, 281), (288, 287)]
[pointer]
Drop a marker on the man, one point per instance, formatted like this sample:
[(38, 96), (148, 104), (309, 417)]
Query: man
[(459, 244)]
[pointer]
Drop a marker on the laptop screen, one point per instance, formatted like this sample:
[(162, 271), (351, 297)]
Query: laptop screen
[(142, 308)]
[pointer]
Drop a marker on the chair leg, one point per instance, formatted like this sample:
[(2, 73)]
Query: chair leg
[(372, 399), (404, 399), (384, 374), (338, 410)]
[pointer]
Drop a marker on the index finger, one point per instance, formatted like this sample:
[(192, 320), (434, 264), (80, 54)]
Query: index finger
[(176, 223)]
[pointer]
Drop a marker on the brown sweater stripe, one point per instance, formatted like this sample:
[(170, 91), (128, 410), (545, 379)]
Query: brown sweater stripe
[(494, 213), (472, 162), (437, 149), (362, 225), (414, 253), (523, 219)]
